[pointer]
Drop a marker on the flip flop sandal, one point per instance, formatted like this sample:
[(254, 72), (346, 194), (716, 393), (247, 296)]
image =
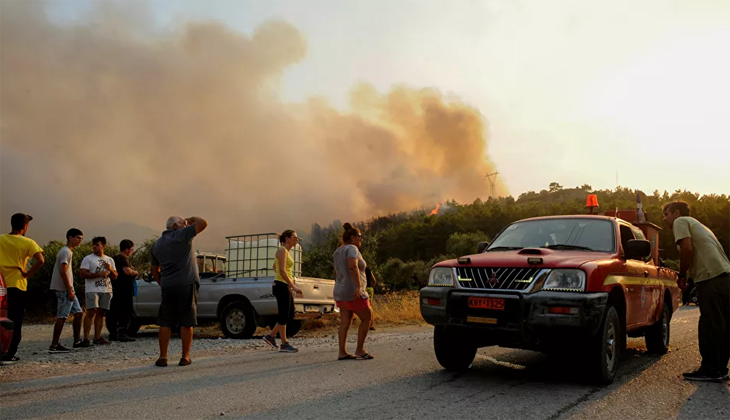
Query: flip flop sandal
[(366, 356), (161, 362), (348, 357), (185, 362)]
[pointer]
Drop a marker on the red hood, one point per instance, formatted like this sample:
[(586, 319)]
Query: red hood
[(518, 258)]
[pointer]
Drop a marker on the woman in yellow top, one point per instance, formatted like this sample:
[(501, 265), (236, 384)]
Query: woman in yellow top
[(282, 288)]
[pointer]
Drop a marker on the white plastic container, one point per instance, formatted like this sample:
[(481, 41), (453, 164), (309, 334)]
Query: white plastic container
[(256, 258)]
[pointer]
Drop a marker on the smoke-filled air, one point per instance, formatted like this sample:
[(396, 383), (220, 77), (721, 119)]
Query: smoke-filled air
[(116, 121)]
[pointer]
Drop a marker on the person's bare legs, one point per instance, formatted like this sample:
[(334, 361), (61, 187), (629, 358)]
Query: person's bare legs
[(365, 316), (88, 320), (98, 323), (281, 329), (57, 329), (78, 317), (345, 322), (186, 334), (164, 338)]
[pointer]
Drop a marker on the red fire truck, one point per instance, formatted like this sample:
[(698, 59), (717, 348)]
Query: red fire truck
[(555, 284)]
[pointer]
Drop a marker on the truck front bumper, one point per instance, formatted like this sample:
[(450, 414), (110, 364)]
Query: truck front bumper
[(540, 316)]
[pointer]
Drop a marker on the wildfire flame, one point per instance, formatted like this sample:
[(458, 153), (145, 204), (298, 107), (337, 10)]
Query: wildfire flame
[(436, 210)]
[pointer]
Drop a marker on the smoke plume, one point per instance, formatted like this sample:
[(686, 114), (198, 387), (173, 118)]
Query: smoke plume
[(116, 121)]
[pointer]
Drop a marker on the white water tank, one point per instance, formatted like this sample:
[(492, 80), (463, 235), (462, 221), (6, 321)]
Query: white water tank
[(256, 258)]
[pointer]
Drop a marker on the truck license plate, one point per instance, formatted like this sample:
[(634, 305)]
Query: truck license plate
[(311, 308), (480, 320), (486, 303)]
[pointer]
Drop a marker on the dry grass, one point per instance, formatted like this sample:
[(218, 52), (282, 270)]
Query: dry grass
[(397, 309), (391, 309)]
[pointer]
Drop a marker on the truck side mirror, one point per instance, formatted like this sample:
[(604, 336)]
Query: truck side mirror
[(481, 246), (637, 249)]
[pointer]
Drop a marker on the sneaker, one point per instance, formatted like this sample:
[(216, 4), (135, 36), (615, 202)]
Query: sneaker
[(271, 341), (702, 375), (100, 341), (10, 360), (58, 348), (288, 348), (125, 339), (82, 344)]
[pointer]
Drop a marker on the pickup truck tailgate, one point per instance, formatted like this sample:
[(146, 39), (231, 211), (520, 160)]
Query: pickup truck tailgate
[(318, 296)]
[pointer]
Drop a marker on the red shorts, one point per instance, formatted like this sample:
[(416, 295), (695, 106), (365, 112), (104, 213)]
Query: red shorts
[(354, 305)]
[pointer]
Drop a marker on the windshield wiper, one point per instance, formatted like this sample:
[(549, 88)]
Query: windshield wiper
[(504, 248), (566, 246)]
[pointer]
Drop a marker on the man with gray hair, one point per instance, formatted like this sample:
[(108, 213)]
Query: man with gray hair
[(174, 268)]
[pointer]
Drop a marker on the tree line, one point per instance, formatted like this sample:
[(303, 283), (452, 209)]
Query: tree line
[(400, 248)]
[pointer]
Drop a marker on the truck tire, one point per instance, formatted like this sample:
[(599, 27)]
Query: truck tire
[(134, 324), (238, 320), (657, 336), (452, 352), (604, 351), (293, 327)]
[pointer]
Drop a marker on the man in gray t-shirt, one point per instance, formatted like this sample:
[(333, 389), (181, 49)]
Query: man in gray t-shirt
[(174, 268), (62, 283)]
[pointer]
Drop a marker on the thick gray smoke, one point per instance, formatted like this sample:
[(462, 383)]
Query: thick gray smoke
[(116, 122)]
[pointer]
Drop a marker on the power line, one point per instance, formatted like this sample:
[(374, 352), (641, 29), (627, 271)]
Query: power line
[(492, 179)]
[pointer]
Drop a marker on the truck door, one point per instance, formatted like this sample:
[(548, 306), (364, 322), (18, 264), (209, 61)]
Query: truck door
[(652, 289), (633, 281)]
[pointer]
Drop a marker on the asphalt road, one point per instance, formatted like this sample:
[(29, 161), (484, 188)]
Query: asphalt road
[(403, 381)]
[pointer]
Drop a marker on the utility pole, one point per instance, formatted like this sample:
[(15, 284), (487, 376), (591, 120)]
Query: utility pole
[(492, 179)]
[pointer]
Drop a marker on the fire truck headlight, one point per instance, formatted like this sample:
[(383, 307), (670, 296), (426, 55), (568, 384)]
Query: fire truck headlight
[(569, 280), (441, 276)]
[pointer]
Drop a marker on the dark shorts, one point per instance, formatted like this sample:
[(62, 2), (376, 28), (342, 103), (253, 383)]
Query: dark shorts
[(179, 306), (284, 302)]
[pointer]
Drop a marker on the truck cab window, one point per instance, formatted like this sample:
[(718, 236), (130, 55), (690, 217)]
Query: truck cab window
[(626, 235)]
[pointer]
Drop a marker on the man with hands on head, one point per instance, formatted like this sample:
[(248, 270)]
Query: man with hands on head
[(174, 268)]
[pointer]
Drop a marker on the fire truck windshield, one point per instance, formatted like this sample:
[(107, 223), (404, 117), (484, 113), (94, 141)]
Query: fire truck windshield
[(580, 234)]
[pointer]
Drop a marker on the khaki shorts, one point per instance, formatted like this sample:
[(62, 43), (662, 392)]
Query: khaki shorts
[(98, 300)]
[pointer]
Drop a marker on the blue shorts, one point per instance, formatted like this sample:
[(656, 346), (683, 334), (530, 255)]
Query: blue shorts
[(64, 306)]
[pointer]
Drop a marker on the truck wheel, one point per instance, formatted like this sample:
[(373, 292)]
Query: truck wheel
[(293, 327), (134, 326), (657, 336), (605, 350), (238, 320), (453, 352), (111, 325)]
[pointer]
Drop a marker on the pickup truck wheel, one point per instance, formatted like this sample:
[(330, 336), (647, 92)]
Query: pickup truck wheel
[(657, 336), (111, 324), (293, 327), (605, 350), (238, 320), (453, 352), (134, 326)]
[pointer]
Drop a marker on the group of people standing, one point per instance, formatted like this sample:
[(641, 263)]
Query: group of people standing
[(109, 285)]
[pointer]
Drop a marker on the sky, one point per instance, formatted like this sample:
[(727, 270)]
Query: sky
[(573, 91), (605, 93)]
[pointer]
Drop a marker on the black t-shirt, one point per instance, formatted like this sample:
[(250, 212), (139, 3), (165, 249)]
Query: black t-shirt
[(124, 284)]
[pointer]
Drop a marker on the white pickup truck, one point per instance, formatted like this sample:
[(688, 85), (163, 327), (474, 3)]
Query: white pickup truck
[(235, 289)]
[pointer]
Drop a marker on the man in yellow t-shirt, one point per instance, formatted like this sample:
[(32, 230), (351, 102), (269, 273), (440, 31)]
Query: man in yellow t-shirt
[(702, 258), (15, 249)]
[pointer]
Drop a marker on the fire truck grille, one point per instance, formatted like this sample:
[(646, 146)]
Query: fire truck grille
[(496, 278)]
